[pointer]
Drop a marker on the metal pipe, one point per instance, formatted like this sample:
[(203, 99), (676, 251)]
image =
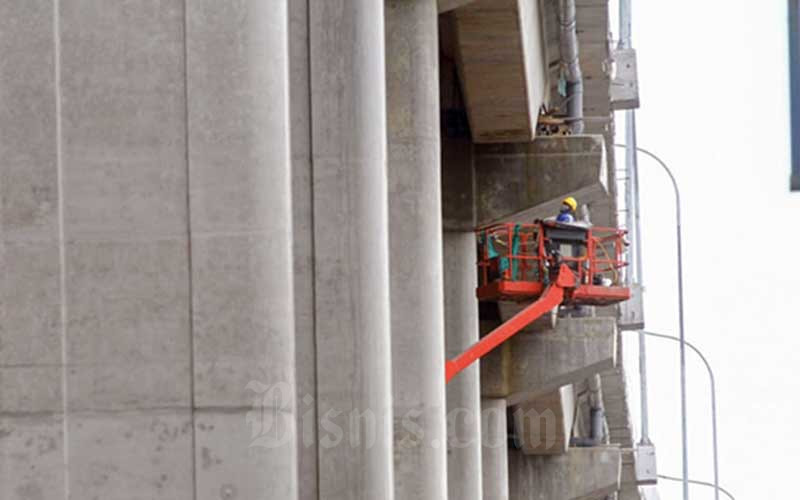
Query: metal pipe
[(631, 156), (633, 222), (794, 69), (681, 319), (701, 483), (713, 403), (624, 24), (568, 44)]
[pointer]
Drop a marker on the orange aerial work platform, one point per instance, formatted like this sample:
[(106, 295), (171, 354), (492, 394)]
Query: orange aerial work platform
[(549, 263)]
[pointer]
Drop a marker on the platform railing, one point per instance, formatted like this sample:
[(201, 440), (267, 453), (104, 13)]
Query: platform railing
[(522, 252)]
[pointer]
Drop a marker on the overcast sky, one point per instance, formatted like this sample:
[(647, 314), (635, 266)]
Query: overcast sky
[(715, 107)]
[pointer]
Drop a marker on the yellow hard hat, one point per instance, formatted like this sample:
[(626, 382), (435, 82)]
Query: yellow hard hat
[(569, 200)]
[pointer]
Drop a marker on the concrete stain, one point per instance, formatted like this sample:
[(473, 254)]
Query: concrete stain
[(30, 491)]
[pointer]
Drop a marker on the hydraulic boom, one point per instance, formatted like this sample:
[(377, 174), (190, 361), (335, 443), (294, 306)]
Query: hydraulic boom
[(550, 298)]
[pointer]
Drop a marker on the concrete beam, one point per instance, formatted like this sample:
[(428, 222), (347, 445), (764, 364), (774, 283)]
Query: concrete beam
[(499, 52), (530, 364), (494, 437), (523, 182), (579, 474), (415, 242), (448, 5), (543, 425)]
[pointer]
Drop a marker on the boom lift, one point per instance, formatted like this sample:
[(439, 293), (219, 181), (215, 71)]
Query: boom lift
[(547, 262)]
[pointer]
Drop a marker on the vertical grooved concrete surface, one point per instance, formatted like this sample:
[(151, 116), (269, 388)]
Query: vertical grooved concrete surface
[(415, 241), (351, 255)]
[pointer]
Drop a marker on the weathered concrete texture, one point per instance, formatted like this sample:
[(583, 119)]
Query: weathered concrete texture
[(124, 207), (30, 337), (543, 425), (29, 182), (580, 474), (125, 456), (348, 103), (303, 249), (523, 182), (502, 69), (615, 399), (232, 464), (32, 457), (415, 240), (128, 310), (125, 249), (30, 297), (463, 392), (241, 224), (532, 364), (494, 437)]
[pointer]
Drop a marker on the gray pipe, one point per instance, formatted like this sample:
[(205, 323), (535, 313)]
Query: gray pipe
[(568, 43), (597, 414)]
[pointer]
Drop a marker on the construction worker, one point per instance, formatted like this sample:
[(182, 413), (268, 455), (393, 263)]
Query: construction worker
[(568, 211)]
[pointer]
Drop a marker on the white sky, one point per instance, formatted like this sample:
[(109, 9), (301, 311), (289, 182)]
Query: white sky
[(714, 105)]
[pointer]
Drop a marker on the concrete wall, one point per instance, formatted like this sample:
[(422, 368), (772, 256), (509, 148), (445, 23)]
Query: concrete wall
[(149, 224)]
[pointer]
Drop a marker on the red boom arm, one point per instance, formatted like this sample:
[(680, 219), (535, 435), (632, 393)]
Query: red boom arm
[(551, 298)]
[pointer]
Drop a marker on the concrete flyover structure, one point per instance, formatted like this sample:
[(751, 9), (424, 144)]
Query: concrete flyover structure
[(238, 244)]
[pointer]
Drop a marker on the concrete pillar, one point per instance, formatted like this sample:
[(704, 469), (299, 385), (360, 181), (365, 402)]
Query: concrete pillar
[(494, 436), (303, 249), (415, 237), (351, 262), (463, 392), (241, 226)]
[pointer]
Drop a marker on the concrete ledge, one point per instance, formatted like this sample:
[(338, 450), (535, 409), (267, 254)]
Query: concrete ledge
[(448, 5), (533, 364), (523, 182), (499, 52), (580, 474), (543, 426)]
